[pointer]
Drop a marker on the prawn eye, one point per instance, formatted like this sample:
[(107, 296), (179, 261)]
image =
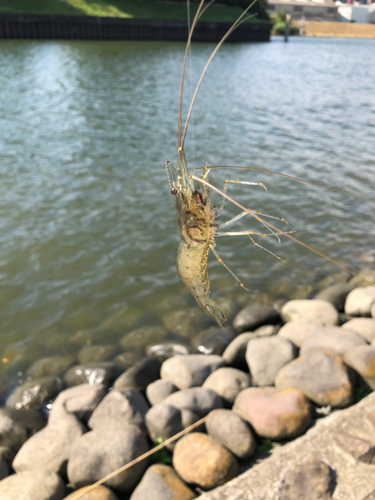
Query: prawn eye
[(174, 191)]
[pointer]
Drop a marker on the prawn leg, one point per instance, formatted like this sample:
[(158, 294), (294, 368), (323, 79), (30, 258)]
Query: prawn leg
[(219, 259), (235, 181)]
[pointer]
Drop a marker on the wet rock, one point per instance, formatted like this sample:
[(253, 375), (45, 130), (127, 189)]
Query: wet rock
[(80, 401), (266, 356), (4, 462), (364, 327), (336, 294), (160, 482), (321, 376), (190, 371), (227, 383), (199, 459), (318, 311), (163, 421), (34, 393), (235, 353), (186, 323), (138, 376), (125, 360), (253, 316), (364, 278), (121, 320), (104, 373), (159, 390), (274, 413), (168, 349), (140, 337), (311, 480), (49, 448), (16, 426), (32, 485), (358, 448), (120, 407), (94, 353), (360, 301), (54, 366), (103, 450), (232, 432), (362, 360), (97, 493), (199, 400), (213, 340), (332, 338), (297, 331)]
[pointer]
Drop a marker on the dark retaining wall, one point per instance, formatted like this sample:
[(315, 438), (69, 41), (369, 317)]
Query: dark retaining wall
[(35, 26)]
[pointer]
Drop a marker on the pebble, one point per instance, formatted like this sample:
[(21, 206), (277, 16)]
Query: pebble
[(199, 400), (253, 316), (190, 371), (310, 310), (360, 301), (80, 401), (199, 459), (163, 421), (54, 366), (362, 360), (232, 432), (311, 480), (297, 331), (160, 482), (120, 407), (227, 383), (49, 448), (140, 375), (321, 376), (332, 338), (32, 485), (166, 350), (34, 393), (103, 372), (364, 327), (266, 356), (16, 426), (274, 413), (94, 353), (159, 390), (335, 294), (213, 340), (98, 493), (103, 450), (235, 353)]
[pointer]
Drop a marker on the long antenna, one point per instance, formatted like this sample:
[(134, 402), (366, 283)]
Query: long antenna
[(232, 28)]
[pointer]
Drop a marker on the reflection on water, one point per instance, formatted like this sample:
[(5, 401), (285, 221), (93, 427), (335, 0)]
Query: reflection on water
[(87, 223)]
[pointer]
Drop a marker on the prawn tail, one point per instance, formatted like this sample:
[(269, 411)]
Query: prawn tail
[(216, 313)]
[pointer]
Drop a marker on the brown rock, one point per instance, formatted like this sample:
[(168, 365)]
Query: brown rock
[(362, 360), (98, 493), (274, 413), (200, 460)]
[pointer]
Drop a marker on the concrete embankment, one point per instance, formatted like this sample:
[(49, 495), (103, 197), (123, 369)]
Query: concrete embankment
[(341, 30)]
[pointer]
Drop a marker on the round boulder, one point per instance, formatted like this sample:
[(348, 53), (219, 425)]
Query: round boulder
[(159, 390), (318, 311), (98, 493), (364, 327), (255, 315), (190, 371), (335, 294), (332, 338), (227, 383), (360, 301), (297, 331), (199, 400), (32, 485), (362, 360)]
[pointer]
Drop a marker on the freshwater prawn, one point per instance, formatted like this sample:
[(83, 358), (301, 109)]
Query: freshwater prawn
[(197, 217)]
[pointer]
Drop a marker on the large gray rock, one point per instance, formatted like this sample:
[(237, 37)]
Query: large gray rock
[(274, 413), (360, 301), (159, 390), (335, 294), (102, 451), (190, 371), (253, 316), (34, 393), (160, 482), (310, 310), (266, 356), (213, 340), (120, 407), (297, 331), (235, 353), (364, 327), (321, 376), (199, 400), (32, 485), (49, 448), (54, 366), (199, 459), (140, 375), (163, 421), (80, 400), (103, 372), (227, 383), (362, 360), (232, 432), (332, 338), (16, 426)]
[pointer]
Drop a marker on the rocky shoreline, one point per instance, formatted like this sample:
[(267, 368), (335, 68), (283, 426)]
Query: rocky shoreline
[(278, 370)]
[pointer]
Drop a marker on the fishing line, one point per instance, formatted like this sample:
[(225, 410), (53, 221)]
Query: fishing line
[(190, 82)]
